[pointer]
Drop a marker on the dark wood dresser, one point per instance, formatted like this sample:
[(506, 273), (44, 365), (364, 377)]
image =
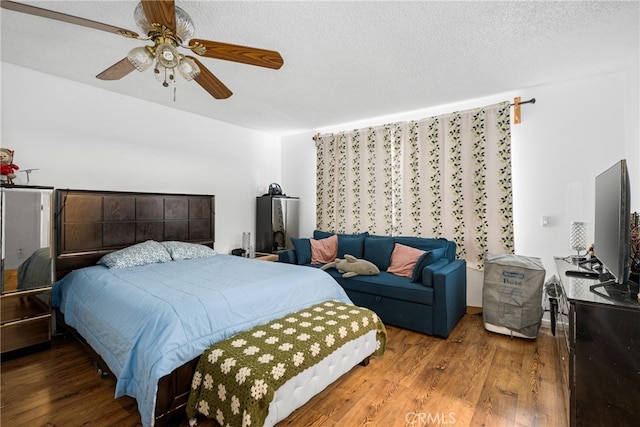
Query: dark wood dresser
[(602, 330)]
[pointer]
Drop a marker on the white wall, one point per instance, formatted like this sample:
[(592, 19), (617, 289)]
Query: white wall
[(574, 131), (86, 138)]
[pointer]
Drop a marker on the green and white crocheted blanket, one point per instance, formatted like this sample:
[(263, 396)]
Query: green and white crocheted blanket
[(236, 379)]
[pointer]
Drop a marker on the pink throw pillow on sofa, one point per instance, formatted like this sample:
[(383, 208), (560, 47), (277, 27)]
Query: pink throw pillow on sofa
[(403, 260), (324, 251)]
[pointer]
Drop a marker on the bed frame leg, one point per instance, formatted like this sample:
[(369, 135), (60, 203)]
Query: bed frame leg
[(365, 362)]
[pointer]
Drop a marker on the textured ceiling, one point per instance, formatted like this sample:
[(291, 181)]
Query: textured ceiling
[(343, 61)]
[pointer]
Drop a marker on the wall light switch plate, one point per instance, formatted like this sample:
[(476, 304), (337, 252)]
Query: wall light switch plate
[(546, 221)]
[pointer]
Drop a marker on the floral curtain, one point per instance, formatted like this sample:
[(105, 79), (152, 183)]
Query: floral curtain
[(446, 176)]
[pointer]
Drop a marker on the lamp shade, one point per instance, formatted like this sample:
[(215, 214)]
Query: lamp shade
[(140, 58), (141, 19), (578, 236), (167, 55), (184, 25), (188, 68)]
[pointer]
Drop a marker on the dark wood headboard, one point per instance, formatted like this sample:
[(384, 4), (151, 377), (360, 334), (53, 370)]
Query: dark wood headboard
[(90, 224)]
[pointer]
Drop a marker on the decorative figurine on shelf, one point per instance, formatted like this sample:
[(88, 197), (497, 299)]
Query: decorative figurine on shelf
[(6, 166)]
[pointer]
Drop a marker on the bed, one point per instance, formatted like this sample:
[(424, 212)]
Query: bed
[(147, 325)]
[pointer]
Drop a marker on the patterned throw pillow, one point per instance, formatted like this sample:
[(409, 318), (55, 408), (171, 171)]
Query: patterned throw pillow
[(148, 252), (184, 250)]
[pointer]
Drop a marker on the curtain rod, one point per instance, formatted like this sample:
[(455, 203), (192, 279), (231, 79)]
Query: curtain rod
[(516, 103), (516, 108), (531, 101)]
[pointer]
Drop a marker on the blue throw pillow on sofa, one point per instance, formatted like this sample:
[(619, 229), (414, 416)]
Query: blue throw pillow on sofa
[(428, 258), (303, 250), (417, 270), (352, 244), (429, 244)]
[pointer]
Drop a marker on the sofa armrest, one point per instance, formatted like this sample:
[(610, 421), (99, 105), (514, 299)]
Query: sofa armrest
[(288, 256), (427, 271), (450, 296)]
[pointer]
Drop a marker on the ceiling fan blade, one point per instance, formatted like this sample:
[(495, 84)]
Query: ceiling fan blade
[(117, 70), (45, 13), (161, 12), (210, 83), (236, 53)]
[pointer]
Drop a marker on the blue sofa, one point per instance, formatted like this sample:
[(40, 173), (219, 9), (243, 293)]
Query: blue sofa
[(432, 301)]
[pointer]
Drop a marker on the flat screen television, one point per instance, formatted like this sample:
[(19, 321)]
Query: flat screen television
[(612, 222)]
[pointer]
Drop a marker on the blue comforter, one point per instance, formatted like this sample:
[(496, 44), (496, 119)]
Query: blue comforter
[(147, 321)]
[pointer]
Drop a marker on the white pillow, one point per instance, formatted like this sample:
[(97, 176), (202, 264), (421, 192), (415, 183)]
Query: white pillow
[(184, 250)]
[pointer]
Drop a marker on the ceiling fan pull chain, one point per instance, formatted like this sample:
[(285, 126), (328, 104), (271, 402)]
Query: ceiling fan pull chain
[(174, 94)]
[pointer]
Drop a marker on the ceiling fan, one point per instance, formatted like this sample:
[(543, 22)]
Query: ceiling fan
[(168, 27)]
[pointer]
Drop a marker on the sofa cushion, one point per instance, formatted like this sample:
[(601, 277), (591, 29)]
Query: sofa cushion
[(303, 250), (404, 259), (378, 249), (319, 234), (416, 275), (429, 244), (352, 244), (387, 285), (324, 251), (429, 258)]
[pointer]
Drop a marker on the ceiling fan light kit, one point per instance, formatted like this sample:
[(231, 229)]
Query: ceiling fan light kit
[(185, 29), (141, 58), (164, 51), (188, 68), (168, 27), (167, 55)]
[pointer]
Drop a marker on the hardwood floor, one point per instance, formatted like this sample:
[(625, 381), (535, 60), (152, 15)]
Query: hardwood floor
[(473, 378)]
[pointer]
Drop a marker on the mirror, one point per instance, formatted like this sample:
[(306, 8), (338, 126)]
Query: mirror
[(26, 238)]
